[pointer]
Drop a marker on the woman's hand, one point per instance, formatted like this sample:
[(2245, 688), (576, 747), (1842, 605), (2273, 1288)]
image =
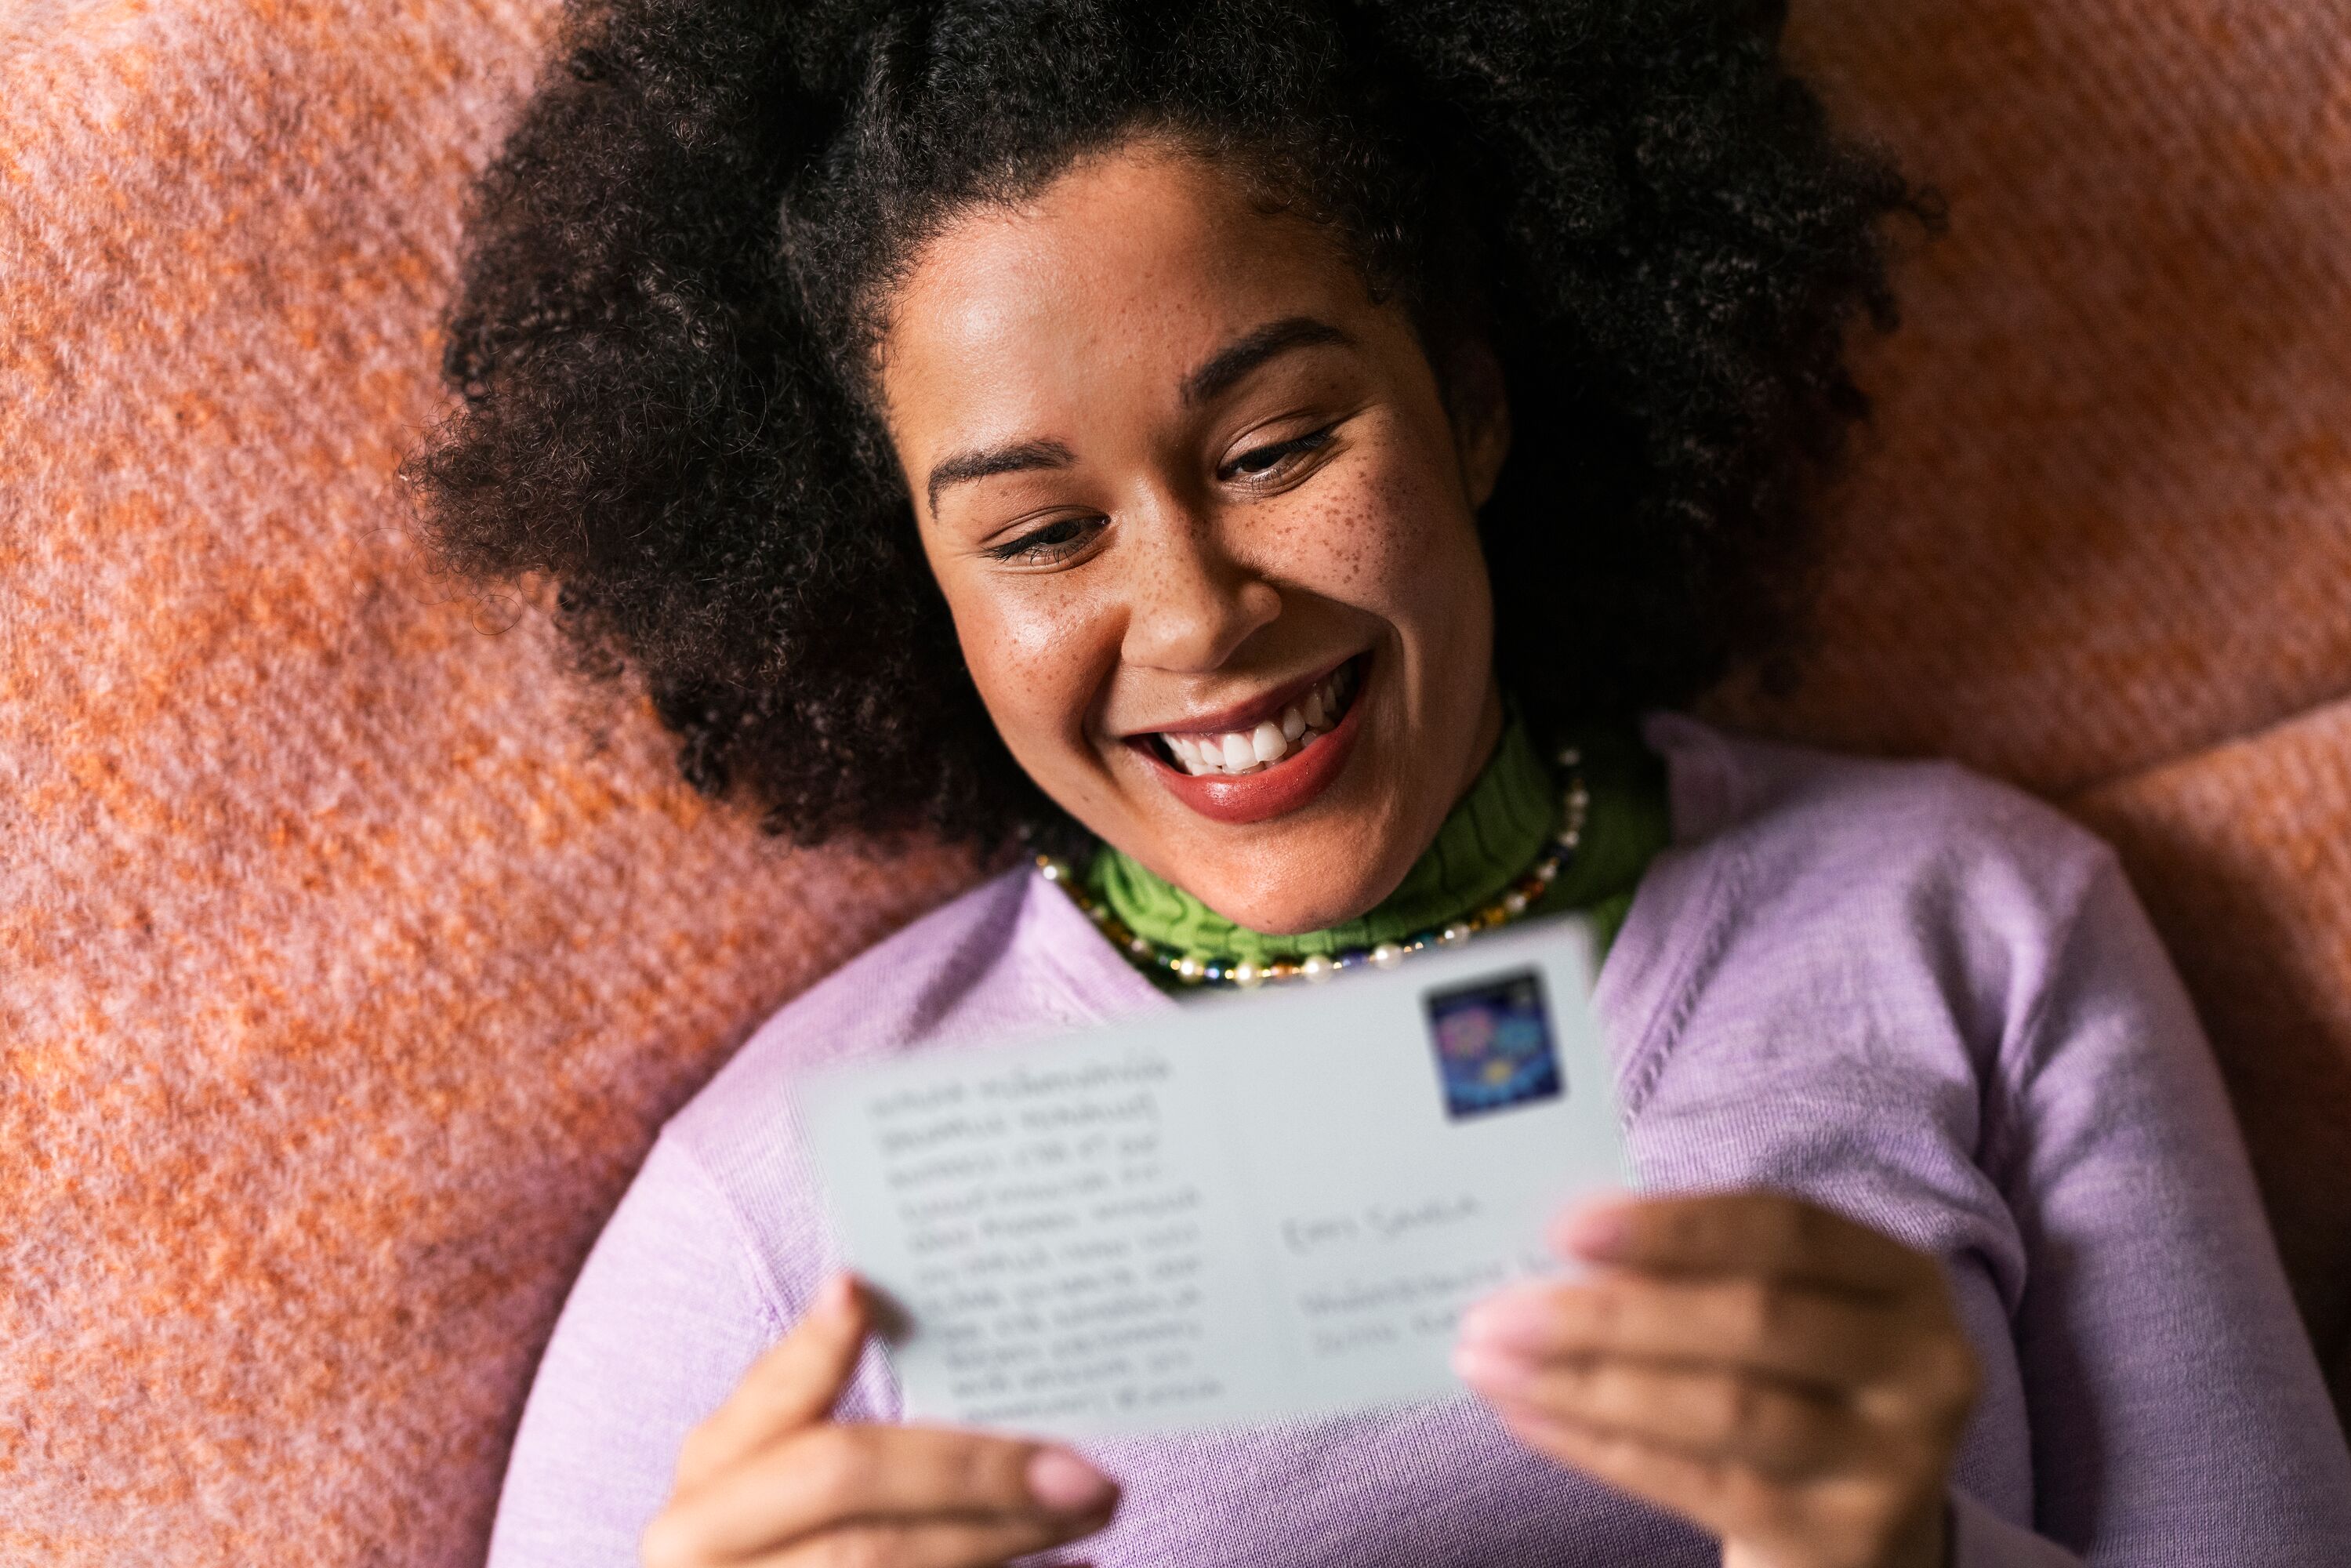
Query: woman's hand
[(1790, 1380), (768, 1480)]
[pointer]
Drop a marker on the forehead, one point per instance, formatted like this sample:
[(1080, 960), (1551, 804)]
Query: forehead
[(1102, 290)]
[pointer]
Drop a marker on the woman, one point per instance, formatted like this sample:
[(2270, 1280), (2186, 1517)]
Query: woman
[(1237, 447)]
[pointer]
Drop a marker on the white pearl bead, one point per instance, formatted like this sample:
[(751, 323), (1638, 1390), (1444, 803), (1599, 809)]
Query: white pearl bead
[(1317, 967), (1387, 954)]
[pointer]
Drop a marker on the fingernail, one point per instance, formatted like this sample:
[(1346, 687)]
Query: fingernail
[(1598, 1230), (1488, 1369), (1520, 1318), (836, 1293), (1065, 1483)]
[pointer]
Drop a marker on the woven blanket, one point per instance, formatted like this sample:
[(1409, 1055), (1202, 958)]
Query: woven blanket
[(351, 948)]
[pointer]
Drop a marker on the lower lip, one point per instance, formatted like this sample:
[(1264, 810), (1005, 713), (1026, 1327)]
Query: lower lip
[(1283, 787)]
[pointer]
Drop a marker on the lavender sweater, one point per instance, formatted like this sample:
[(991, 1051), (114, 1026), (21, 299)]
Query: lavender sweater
[(1919, 996)]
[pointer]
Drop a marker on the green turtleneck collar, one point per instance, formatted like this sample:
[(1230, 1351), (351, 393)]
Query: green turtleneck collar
[(1494, 833)]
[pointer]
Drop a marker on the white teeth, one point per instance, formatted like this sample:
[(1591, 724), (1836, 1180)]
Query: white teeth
[(1300, 726)]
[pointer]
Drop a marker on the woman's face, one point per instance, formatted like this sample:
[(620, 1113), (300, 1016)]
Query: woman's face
[(1206, 530)]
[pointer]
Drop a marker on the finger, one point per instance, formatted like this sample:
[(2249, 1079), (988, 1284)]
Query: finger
[(1756, 1325), (1715, 1494), (826, 1477), (795, 1381), (1783, 1429), (931, 1544), (1770, 1233)]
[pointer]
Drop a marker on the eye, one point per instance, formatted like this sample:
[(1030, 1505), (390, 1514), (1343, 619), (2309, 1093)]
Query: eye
[(1057, 540), (1273, 458)]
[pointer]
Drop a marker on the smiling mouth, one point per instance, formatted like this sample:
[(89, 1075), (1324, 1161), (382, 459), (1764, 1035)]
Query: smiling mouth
[(1237, 753)]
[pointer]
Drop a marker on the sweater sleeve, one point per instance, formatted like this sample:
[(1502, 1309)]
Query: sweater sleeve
[(2177, 1410), (668, 1314)]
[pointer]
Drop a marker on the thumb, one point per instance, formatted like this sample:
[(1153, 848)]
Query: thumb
[(795, 1382)]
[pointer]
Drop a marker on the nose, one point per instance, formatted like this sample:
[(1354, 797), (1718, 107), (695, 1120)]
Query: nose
[(1192, 602)]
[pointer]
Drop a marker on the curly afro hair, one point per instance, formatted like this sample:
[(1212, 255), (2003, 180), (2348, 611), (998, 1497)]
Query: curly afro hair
[(674, 271)]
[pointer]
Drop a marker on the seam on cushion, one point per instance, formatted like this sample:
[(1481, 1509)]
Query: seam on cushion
[(769, 1295), (2086, 796)]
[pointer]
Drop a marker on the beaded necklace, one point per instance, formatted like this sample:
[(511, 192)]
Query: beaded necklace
[(1225, 971)]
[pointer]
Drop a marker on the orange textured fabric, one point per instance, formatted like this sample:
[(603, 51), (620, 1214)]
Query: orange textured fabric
[(2104, 514), (348, 956)]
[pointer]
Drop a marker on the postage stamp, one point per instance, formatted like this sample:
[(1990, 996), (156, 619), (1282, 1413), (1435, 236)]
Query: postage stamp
[(1493, 1044)]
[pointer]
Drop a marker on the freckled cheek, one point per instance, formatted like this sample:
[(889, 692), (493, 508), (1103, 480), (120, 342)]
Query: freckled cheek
[(1040, 660), (1390, 538)]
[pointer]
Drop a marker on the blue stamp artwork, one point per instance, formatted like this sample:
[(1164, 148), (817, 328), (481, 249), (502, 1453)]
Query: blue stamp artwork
[(1493, 1044)]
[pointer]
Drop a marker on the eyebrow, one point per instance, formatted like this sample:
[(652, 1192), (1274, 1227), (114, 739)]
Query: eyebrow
[(1246, 353), (1222, 369), (1013, 459)]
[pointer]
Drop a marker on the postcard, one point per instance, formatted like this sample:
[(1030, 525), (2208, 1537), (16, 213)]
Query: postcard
[(1263, 1205)]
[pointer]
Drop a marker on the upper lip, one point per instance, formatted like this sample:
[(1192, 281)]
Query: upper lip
[(1245, 715)]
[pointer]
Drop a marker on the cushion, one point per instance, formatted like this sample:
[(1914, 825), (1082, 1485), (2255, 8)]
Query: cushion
[(354, 949)]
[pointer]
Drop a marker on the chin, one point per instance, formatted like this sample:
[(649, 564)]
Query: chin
[(1297, 893)]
